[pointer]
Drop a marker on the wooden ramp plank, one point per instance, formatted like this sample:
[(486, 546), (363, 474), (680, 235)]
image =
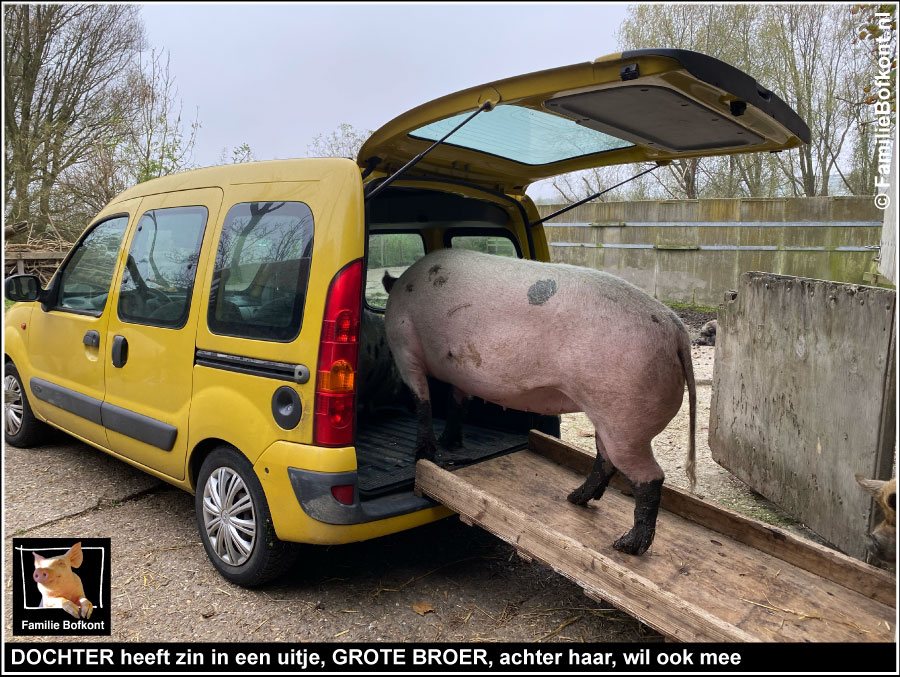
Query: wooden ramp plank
[(596, 573), (695, 584), (870, 581)]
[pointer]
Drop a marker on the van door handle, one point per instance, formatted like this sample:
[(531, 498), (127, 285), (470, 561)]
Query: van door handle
[(92, 338), (119, 351)]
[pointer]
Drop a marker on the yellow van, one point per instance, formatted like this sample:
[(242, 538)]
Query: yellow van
[(222, 329)]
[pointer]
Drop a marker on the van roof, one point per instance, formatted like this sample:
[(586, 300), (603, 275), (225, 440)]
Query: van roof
[(304, 169)]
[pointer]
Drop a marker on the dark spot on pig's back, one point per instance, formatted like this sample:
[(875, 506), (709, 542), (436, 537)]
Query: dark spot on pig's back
[(409, 287), (541, 291), (434, 270), (440, 281), (654, 318)]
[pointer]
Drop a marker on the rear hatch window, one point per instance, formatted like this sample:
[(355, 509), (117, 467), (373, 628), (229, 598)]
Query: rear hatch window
[(522, 135)]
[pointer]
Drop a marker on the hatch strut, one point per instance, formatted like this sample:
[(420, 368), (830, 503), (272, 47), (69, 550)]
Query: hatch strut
[(487, 105), (591, 197)]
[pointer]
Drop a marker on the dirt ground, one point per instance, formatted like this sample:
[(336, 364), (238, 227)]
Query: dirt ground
[(441, 582), (468, 585)]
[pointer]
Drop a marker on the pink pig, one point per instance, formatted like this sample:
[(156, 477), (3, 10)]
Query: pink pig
[(547, 338), (59, 585)]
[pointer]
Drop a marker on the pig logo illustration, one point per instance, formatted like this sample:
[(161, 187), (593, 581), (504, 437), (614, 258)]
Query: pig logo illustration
[(59, 585)]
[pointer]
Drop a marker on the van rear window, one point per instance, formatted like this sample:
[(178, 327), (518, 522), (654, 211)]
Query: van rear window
[(262, 271)]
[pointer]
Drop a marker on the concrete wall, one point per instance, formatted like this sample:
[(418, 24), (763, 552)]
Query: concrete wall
[(804, 397), (694, 250)]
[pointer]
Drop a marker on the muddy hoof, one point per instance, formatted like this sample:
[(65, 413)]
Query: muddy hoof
[(635, 542), (579, 496)]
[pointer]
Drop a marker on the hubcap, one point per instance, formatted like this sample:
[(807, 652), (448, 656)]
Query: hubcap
[(228, 516), (12, 405)]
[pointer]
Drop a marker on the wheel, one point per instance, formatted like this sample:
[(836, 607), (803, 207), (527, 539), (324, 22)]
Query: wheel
[(235, 523), (20, 426)]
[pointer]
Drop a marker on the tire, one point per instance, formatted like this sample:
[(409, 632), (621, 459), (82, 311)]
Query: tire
[(20, 426), (246, 552)]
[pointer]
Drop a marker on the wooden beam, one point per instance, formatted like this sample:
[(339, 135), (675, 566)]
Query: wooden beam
[(851, 573), (600, 576), (35, 256)]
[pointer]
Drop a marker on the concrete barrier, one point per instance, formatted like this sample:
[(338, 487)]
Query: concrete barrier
[(692, 251), (804, 397)]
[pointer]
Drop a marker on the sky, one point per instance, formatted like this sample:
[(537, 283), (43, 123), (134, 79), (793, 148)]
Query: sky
[(276, 75)]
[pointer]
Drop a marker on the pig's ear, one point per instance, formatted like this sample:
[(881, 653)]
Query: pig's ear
[(38, 558), (75, 556), (388, 282), (872, 486)]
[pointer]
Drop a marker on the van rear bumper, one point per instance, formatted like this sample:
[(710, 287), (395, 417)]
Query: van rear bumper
[(297, 480), (313, 490)]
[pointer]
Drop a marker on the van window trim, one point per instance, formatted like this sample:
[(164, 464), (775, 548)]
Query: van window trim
[(458, 231), (369, 233), (190, 294), (56, 280)]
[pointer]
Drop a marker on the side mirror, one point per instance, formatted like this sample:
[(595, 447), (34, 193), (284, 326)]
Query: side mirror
[(22, 288)]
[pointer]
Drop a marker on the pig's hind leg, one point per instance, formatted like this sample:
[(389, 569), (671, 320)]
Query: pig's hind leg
[(635, 461), (457, 404), (597, 480), (425, 445), (407, 356)]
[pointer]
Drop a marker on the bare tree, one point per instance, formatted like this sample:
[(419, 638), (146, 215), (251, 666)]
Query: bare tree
[(239, 154), (579, 185), (344, 141), (148, 140), (159, 142), (64, 66), (810, 63)]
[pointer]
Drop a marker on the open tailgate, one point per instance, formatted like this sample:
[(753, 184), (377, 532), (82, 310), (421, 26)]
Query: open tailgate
[(637, 106)]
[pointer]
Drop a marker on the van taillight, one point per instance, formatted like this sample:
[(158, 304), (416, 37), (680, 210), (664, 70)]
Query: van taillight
[(338, 356)]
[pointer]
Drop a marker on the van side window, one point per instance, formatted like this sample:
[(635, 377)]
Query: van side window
[(391, 252), (501, 245), (261, 271), (161, 266), (85, 281)]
